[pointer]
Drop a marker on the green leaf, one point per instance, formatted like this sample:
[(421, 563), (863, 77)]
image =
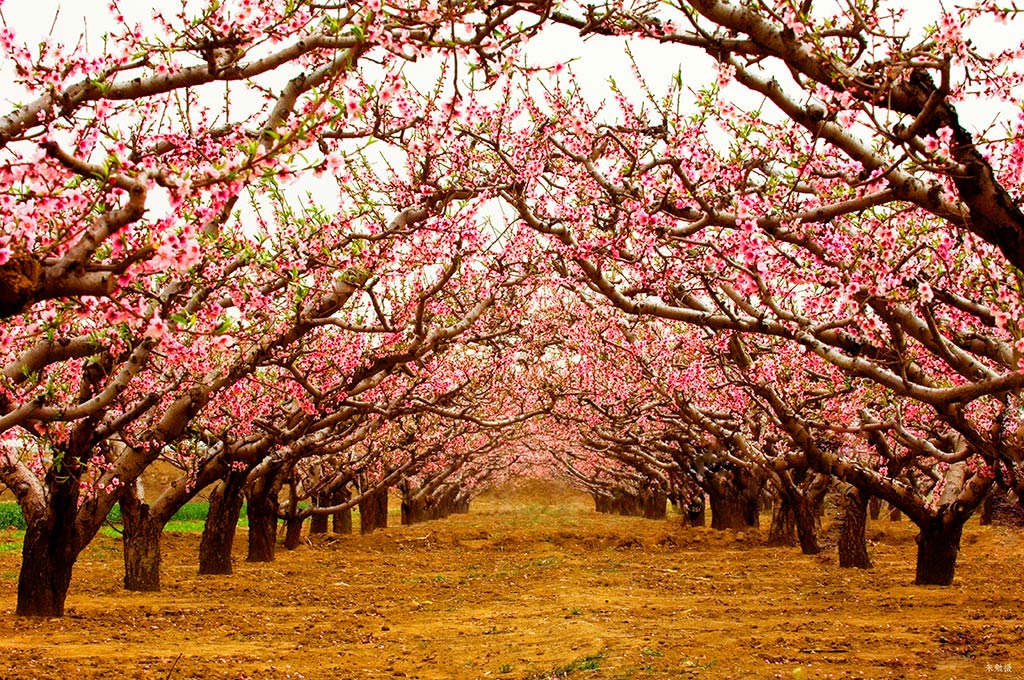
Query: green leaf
[(183, 319), (226, 323)]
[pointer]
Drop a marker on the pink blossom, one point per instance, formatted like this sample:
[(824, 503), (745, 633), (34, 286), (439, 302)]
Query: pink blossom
[(155, 328), (924, 291)]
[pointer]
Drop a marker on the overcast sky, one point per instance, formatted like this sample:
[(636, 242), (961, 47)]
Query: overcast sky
[(598, 60)]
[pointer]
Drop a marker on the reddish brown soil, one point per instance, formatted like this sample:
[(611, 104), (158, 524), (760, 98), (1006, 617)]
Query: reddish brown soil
[(533, 584)]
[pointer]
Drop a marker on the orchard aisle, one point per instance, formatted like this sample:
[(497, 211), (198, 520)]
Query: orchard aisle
[(533, 584)]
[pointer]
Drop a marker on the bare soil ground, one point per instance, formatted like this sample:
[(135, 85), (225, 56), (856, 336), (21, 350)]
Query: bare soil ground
[(533, 584)]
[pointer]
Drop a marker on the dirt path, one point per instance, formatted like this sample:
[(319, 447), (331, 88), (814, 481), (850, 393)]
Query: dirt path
[(529, 587)]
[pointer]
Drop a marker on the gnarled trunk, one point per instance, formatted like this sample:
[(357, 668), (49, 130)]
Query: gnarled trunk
[(938, 544), (293, 518), (627, 504), (318, 523), (341, 521), (733, 493), (987, 509), (729, 511), (654, 504), (221, 524), (262, 510), (373, 511), (696, 512), (293, 532), (443, 505), (262, 516), (48, 555), (853, 549), (797, 515), (807, 512), (796, 522), (782, 531), (414, 510), (51, 546), (875, 507), (1002, 509), (141, 540), (649, 504), (938, 541)]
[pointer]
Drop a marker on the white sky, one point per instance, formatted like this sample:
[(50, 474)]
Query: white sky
[(599, 58)]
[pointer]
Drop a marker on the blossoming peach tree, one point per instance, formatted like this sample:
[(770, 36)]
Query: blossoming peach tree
[(147, 263), (826, 191)]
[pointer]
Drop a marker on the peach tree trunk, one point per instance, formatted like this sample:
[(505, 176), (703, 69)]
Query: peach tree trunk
[(373, 511), (413, 510), (807, 512), (141, 540), (782, 532), (318, 523), (938, 544), (696, 510), (655, 504), (293, 518), (341, 522), (853, 549), (48, 554), (218, 539), (293, 531), (262, 512), (732, 511)]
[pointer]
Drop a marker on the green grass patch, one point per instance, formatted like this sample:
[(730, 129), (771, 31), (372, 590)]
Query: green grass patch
[(184, 526), (591, 662), (192, 512), (11, 540), (10, 516), (190, 517), (546, 562)]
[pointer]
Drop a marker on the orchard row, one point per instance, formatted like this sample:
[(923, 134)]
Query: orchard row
[(315, 251)]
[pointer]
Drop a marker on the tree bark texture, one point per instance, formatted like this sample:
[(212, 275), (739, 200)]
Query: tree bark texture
[(938, 544), (293, 532), (46, 564), (141, 540), (341, 522), (318, 523), (49, 550), (696, 511), (373, 512), (730, 511), (262, 510), (218, 538), (782, 532), (853, 548)]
